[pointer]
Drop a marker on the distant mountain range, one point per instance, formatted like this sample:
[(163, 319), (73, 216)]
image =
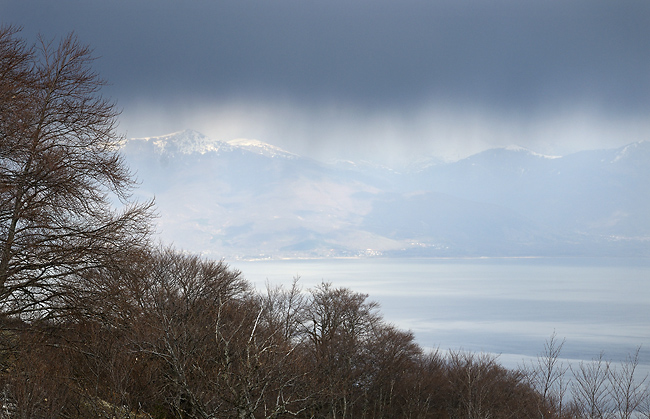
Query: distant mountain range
[(249, 199)]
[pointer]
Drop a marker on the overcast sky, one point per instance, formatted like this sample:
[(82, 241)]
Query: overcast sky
[(373, 79)]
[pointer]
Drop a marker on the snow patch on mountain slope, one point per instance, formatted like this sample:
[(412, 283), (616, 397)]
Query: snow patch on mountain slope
[(185, 142), (262, 148), (530, 152), (193, 142), (629, 150)]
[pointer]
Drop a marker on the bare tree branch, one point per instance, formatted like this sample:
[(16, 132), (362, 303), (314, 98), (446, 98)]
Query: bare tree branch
[(59, 171)]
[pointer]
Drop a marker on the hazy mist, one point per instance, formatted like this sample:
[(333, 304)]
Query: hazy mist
[(371, 79)]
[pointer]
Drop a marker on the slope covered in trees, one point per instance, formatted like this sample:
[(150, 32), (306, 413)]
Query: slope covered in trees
[(96, 321)]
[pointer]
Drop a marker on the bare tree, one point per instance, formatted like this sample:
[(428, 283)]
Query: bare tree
[(337, 328), (217, 349), (628, 391), (16, 77), (35, 377), (284, 310), (591, 388), (59, 171), (644, 407), (176, 306), (547, 376), (261, 371), (426, 387), (389, 356), (481, 388)]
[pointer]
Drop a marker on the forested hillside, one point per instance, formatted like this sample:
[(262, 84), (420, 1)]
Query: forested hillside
[(98, 321)]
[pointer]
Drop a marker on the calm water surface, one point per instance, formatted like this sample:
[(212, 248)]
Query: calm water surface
[(504, 306)]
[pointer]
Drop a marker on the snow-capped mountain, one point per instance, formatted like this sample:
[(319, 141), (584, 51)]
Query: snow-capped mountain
[(517, 148), (182, 142), (246, 198), (193, 142), (262, 148)]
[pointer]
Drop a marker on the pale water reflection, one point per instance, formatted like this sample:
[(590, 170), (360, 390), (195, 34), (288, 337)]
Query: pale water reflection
[(504, 306)]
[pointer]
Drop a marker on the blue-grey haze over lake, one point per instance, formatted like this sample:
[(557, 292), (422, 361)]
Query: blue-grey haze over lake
[(503, 306)]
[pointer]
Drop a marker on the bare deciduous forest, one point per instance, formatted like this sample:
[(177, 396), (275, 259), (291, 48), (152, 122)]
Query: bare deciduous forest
[(99, 321)]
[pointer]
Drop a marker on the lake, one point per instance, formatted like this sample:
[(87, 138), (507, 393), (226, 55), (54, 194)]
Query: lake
[(502, 306)]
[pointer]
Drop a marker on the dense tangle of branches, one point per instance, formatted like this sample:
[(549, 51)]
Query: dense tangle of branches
[(95, 321)]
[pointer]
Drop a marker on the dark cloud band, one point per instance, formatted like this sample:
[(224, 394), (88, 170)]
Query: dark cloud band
[(372, 53)]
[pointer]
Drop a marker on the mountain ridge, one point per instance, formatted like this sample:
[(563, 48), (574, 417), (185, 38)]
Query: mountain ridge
[(249, 199)]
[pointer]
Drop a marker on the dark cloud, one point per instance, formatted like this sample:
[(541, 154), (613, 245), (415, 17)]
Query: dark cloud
[(508, 53), (511, 57)]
